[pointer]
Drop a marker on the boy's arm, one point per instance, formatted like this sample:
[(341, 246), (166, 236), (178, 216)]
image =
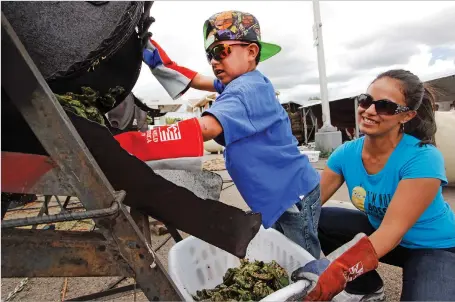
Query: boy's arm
[(202, 82), (174, 78), (210, 127)]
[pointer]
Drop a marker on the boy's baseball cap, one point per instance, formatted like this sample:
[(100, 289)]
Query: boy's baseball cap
[(239, 26)]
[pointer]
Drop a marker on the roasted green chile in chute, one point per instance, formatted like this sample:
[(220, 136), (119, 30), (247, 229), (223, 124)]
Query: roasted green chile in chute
[(90, 104)]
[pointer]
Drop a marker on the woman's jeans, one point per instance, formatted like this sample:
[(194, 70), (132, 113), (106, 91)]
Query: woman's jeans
[(300, 222), (428, 274)]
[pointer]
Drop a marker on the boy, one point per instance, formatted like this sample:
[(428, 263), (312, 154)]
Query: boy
[(261, 153)]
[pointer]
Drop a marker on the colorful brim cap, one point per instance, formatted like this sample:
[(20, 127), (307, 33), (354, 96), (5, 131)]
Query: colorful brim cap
[(239, 26)]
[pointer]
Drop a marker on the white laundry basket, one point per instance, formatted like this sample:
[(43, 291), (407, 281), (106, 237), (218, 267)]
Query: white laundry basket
[(194, 264), (313, 156)]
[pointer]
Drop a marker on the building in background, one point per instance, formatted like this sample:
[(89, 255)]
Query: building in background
[(343, 111)]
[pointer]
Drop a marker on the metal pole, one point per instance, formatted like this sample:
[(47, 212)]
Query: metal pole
[(356, 105), (317, 36), (305, 126)]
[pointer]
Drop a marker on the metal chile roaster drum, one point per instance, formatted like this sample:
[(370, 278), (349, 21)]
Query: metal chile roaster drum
[(82, 43)]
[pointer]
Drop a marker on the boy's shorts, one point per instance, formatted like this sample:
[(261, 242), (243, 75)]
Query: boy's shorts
[(300, 222)]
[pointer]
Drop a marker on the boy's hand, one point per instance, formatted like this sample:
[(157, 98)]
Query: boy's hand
[(329, 275), (174, 78)]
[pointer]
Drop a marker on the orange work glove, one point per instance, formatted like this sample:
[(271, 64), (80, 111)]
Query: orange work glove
[(182, 139), (329, 275)]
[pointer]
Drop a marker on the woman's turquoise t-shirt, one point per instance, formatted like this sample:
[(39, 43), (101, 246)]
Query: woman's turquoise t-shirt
[(372, 193)]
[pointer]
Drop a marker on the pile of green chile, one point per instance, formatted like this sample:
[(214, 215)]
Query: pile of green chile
[(90, 104), (251, 281)]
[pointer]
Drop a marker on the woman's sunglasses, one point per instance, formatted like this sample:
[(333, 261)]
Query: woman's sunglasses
[(221, 51), (384, 107)]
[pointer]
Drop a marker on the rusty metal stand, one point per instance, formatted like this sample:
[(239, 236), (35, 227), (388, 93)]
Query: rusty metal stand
[(119, 248)]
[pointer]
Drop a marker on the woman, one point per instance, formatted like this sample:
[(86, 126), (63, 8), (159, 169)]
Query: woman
[(395, 176)]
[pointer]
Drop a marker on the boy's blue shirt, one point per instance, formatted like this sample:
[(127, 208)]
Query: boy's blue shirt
[(372, 194), (261, 152)]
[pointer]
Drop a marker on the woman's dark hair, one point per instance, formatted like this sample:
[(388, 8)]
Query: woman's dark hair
[(419, 97)]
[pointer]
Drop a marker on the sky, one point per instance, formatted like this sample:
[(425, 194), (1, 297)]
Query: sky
[(361, 39)]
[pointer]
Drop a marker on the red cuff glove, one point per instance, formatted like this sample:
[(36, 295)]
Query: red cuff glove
[(329, 275), (174, 78), (183, 139)]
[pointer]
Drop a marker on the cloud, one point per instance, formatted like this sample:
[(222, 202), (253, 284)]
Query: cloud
[(442, 53), (288, 69), (381, 53), (342, 77), (361, 39), (299, 93), (287, 63), (388, 47), (436, 29)]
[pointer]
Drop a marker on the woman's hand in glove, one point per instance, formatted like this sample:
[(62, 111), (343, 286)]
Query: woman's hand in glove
[(329, 275)]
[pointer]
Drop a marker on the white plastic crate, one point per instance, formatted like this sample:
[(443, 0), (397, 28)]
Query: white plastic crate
[(194, 264), (313, 156)]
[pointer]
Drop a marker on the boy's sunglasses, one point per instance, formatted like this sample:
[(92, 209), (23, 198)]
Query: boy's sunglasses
[(384, 107), (221, 51)]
